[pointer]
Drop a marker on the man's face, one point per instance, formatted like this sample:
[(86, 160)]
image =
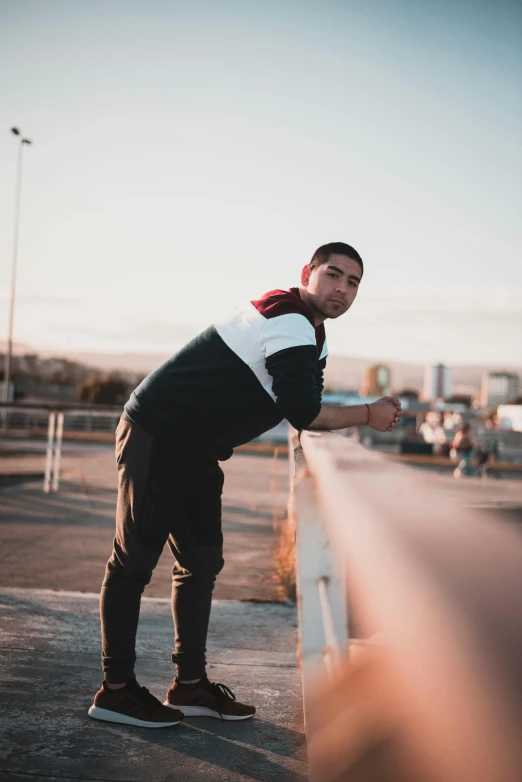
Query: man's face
[(331, 287)]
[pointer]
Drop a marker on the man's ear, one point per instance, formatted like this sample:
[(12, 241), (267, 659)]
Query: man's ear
[(305, 275)]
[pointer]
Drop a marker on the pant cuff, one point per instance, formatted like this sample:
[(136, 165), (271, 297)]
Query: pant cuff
[(117, 677), (189, 669)]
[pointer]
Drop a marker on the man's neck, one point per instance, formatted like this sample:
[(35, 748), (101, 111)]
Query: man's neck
[(318, 319)]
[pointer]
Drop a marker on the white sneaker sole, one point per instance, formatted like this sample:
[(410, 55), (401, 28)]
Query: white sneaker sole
[(203, 711), (112, 716)]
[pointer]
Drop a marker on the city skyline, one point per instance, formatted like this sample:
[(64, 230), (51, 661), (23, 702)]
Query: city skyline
[(341, 371), (204, 153)]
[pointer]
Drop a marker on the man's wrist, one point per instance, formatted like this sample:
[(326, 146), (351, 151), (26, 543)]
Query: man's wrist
[(339, 417)]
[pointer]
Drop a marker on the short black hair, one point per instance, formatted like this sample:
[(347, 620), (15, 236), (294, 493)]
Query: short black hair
[(322, 254)]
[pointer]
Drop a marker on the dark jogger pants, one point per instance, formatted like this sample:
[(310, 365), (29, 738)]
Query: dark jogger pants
[(168, 491)]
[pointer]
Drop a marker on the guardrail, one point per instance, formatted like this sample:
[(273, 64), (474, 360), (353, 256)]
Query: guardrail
[(78, 417), (55, 417), (434, 692)]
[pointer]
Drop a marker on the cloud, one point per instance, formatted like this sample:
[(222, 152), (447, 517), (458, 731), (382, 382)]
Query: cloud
[(405, 322), (444, 321), (425, 335), (442, 298), (152, 332), (46, 300)]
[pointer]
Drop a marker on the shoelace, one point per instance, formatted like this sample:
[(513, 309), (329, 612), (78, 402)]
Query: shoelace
[(147, 697), (221, 690)]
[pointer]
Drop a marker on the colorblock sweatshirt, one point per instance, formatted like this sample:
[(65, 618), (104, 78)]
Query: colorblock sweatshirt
[(239, 377)]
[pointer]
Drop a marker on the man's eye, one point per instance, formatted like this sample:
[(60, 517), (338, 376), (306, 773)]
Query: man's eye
[(331, 274)]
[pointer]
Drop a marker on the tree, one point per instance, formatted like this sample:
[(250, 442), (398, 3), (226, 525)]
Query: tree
[(107, 390)]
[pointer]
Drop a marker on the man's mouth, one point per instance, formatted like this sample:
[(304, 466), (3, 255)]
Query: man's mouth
[(337, 301)]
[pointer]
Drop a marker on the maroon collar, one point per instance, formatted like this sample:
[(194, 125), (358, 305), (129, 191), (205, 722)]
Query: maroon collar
[(280, 302)]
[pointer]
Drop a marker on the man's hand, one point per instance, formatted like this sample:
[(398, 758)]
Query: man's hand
[(385, 413)]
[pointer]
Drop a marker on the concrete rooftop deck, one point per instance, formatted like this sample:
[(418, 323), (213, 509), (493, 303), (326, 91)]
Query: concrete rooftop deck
[(50, 637), (49, 668)]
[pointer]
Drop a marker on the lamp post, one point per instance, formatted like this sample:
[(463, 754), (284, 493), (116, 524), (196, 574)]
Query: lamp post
[(9, 351)]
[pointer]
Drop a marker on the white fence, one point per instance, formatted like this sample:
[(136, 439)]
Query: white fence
[(77, 418), (56, 420), (434, 694)]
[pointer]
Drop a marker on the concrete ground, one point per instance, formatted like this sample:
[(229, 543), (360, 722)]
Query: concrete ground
[(49, 668), (53, 550), (63, 540)]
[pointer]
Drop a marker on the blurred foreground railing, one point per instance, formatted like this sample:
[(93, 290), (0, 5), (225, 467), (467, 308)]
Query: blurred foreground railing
[(434, 693), (57, 419)]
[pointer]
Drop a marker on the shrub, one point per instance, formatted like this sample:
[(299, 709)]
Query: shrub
[(106, 390)]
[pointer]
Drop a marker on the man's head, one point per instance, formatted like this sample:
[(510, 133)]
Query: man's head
[(329, 283)]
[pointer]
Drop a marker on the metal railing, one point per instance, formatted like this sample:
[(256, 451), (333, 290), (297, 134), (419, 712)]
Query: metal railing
[(34, 418), (434, 693), (57, 419)]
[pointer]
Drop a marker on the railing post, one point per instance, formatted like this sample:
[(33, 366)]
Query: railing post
[(57, 452), (50, 451)]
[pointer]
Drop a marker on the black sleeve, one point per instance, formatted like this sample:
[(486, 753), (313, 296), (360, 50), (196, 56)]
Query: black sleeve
[(319, 376), (296, 384)]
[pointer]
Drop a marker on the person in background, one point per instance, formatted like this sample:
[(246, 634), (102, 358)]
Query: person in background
[(432, 432), (461, 453)]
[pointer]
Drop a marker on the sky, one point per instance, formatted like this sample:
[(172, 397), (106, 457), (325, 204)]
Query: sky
[(189, 155)]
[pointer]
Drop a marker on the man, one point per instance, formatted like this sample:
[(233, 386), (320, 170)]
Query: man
[(234, 381)]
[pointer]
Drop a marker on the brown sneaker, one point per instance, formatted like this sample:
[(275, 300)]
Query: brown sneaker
[(132, 705), (208, 700)]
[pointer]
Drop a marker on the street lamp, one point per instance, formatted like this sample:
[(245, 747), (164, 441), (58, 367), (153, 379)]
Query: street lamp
[(9, 351)]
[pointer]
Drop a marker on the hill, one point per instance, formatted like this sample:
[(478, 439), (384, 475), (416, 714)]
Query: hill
[(341, 372)]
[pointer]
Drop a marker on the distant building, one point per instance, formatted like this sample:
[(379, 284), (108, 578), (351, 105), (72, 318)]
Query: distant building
[(510, 417), (10, 395), (462, 389), (437, 382), (377, 381), (498, 388)]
